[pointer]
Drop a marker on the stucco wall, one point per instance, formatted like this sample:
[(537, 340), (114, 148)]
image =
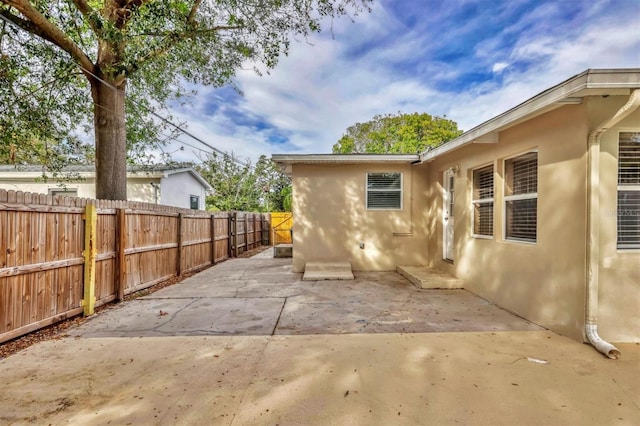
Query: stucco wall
[(177, 188), (331, 218), (542, 281), (619, 298)]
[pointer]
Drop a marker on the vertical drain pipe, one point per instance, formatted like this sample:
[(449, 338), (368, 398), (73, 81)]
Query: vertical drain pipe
[(593, 226)]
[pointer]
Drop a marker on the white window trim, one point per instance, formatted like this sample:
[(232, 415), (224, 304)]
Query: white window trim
[(507, 198), (482, 201), (366, 196)]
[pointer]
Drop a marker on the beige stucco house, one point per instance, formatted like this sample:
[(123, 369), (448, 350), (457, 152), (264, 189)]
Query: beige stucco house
[(537, 209), (171, 186)]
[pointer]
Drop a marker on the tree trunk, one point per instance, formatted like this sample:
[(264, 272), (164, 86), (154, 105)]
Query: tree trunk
[(111, 139)]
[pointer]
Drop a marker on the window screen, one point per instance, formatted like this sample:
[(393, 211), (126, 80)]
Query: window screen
[(483, 201), (384, 191), (521, 197), (194, 200), (629, 190)]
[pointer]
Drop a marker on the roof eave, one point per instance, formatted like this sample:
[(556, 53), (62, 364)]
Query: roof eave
[(290, 159)]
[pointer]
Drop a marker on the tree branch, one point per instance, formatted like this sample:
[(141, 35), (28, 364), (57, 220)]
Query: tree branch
[(89, 14), (36, 24), (193, 11), (189, 33), (173, 38)]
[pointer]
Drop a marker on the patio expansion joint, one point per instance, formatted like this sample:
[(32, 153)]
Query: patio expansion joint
[(275, 326)]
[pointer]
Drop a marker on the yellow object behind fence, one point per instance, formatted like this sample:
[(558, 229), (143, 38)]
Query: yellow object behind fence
[(281, 225)]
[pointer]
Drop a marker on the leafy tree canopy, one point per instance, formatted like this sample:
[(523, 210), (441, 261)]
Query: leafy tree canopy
[(109, 65), (241, 186), (397, 134)]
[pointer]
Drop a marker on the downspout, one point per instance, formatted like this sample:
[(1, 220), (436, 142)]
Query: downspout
[(593, 226)]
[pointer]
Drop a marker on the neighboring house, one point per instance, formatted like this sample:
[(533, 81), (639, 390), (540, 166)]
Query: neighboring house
[(537, 209), (179, 187)]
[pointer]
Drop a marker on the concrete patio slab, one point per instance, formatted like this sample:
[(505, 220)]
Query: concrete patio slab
[(186, 317), (261, 296), (502, 378)]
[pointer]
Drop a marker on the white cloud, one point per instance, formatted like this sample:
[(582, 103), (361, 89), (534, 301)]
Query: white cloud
[(498, 67), (323, 87)]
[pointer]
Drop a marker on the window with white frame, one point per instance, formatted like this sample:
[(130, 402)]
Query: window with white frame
[(483, 201), (384, 191), (521, 197), (629, 190)]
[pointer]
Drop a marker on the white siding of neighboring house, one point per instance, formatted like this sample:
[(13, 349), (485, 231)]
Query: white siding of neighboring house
[(177, 189), (138, 189), (141, 189), (85, 189)]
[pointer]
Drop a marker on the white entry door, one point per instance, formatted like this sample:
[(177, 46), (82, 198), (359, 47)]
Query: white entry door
[(447, 217)]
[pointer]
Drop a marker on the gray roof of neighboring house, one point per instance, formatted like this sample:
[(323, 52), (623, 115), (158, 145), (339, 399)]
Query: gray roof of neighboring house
[(152, 171)]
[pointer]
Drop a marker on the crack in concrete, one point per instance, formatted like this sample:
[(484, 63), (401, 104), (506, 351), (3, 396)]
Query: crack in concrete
[(172, 316)]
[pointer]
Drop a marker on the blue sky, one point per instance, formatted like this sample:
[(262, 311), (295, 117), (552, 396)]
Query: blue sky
[(468, 60)]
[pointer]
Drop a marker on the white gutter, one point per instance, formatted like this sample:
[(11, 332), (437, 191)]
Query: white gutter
[(593, 226)]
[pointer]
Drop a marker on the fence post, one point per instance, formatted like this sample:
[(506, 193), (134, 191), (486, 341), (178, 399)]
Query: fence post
[(213, 238), (235, 234), (121, 245), (179, 261), (267, 220), (255, 227), (90, 254)]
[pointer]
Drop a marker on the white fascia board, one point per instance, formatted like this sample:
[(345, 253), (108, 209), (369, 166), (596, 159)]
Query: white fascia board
[(581, 84), (289, 159)]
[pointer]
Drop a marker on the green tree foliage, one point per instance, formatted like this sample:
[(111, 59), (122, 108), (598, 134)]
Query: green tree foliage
[(287, 198), (397, 134), (107, 65), (273, 183), (241, 186)]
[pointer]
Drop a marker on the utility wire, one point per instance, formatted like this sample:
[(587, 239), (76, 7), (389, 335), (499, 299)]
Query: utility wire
[(161, 118)]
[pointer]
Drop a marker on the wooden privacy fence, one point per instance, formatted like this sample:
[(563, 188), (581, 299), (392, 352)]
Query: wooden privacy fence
[(60, 257)]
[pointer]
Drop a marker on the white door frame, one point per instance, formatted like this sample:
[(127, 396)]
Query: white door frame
[(448, 197)]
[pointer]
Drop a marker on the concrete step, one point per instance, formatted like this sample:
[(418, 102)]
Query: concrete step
[(316, 271), (424, 277), (283, 250)]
